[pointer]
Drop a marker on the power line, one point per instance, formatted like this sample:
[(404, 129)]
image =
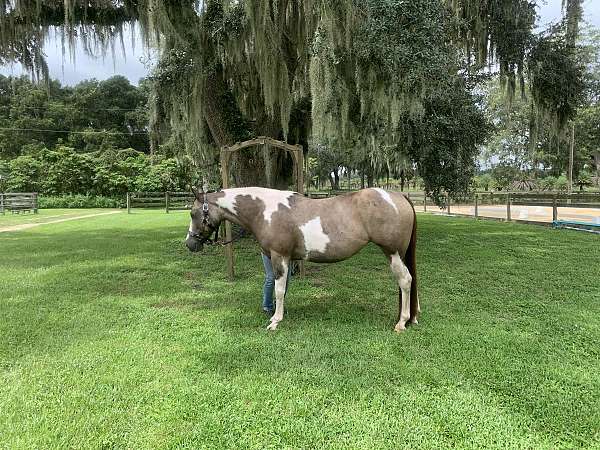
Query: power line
[(76, 132), (67, 106)]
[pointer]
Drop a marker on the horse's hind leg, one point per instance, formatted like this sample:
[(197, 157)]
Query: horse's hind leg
[(280, 269), (404, 280)]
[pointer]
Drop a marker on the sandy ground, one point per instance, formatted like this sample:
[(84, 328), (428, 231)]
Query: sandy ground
[(521, 212), (26, 226)]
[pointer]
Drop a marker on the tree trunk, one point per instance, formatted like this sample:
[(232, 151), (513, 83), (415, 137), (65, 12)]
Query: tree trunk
[(215, 90), (269, 167), (245, 170), (402, 180)]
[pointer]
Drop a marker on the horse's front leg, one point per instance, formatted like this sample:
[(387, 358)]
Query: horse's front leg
[(281, 265)]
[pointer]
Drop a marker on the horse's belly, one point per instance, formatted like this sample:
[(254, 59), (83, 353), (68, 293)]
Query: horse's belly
[(326, 258), (336, 250)]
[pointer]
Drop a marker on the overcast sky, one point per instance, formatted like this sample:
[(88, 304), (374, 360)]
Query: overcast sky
[(136, 62)]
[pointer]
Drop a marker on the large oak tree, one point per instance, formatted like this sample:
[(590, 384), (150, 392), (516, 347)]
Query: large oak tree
[(347, 73)]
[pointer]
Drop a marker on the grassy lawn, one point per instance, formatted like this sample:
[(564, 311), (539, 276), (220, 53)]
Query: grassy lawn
[(112, 335), (45, 215)]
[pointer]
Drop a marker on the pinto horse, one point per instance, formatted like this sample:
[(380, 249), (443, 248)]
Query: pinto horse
[(290, 226)]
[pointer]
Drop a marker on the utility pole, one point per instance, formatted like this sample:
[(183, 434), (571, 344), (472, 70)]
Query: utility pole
[(571, 157)]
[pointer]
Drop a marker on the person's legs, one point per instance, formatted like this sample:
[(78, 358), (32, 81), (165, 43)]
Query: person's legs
[(269, 285)]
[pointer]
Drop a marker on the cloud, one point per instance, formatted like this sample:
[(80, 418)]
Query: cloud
[(84, 67)]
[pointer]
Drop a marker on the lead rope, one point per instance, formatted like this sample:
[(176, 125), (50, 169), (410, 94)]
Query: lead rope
[(240, 235)]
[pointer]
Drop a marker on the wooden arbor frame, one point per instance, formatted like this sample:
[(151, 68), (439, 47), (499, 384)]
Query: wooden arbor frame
[(226, 152)]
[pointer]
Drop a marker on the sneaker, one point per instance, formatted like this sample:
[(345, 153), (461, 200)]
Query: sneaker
[(268, 311)]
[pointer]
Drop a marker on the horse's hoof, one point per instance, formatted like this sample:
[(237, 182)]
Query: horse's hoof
[(414, 322), (399, 328), (272, 326)]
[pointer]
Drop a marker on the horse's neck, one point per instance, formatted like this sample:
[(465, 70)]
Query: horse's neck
[(236, 218)]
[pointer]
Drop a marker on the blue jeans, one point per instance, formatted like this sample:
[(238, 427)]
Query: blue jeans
[(269, 285)]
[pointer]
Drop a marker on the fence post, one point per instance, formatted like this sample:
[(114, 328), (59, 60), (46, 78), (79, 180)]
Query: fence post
[(128, 203), (476, 205), (167, 198), (424, 201), (508, 217), (35, 203), (554, 209), (448, 202), (2, 203)]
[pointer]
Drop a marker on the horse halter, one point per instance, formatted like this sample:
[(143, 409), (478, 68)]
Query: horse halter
[(205, 216), (206, 222)]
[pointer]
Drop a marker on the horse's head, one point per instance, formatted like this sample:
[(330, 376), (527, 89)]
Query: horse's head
[(204, 222)]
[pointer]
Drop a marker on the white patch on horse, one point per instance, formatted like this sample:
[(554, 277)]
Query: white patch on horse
[(404, 279), (315, 239), (271, 199), (387, 197), (280, 284)]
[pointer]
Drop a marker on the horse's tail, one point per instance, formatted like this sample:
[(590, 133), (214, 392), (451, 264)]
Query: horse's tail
[(410, 259)]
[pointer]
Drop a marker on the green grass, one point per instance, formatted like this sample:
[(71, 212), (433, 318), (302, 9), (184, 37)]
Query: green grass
[(45, 215), (112, 335)]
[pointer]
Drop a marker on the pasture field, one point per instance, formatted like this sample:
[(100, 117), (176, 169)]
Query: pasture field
[(112, 335), (45, 215)]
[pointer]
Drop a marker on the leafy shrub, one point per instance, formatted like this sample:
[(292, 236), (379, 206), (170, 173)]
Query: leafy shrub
[(483, 182), (561, 183), (547, 183), (111, 174), (80, 201), (24, 173), (503, 175)]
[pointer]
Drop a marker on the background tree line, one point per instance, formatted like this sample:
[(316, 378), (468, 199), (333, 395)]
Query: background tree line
[(378, 87), (88, 139), (517, 157)]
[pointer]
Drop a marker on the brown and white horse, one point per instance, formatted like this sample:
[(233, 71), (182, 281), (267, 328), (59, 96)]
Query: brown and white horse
[(290, 226)]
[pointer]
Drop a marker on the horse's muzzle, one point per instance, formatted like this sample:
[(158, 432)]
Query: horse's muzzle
[(193, 245)]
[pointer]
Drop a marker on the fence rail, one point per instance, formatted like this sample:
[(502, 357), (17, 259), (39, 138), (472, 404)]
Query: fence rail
[(19, 202), (535, 207), (169, 201)]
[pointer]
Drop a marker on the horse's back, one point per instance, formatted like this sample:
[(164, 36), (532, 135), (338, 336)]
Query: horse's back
[(333, 229)]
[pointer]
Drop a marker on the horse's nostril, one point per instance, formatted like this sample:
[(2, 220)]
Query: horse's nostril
[(193, 245), (190, 244)]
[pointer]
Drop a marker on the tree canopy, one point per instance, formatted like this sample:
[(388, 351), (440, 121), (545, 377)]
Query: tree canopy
[(88, 117), (388, 78)]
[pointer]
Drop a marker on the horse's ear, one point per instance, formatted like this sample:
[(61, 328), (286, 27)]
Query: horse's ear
[(195, 192)]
